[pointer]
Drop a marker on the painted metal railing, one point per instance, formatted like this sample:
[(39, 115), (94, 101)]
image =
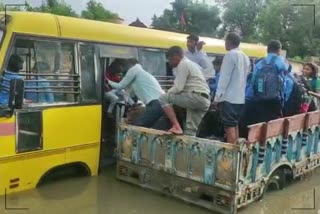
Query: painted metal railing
[(290, 144), (201, 160)]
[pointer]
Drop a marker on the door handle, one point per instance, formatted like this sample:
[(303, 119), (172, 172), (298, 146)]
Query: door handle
[(28, 133)]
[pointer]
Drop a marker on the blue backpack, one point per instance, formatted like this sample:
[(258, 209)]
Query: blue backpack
[(268, 83)]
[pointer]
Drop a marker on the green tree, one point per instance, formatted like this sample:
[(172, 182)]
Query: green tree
[(96, 11), (293, 26), (55, 7), (168, 21), (189, 17), (171, 19), (203, 19), (2, 8), (241, 16)]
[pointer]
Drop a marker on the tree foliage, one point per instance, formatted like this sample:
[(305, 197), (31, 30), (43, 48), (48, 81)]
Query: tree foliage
[(55, 7), (293, 26), (96, 11), (263, 20), (241, 16), (189, 17), (15, 8)]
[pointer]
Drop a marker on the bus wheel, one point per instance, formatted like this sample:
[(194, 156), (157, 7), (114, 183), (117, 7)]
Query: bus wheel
[(62, 172)]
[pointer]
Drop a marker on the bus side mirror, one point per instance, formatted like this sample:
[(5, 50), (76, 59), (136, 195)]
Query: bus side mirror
[(16, 93)]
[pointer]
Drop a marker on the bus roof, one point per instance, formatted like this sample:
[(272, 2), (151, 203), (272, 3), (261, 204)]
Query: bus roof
[(82, 29)]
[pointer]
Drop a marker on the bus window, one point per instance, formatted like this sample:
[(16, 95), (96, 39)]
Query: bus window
[(48, 70), (88, 74), (153, 61)]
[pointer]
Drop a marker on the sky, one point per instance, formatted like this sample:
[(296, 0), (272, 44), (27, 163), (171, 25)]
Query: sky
[(129, 10)]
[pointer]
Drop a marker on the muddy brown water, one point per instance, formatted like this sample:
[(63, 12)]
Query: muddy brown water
[(105, 195)]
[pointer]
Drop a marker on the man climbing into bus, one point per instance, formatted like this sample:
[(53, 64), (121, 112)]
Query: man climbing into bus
[(266, 92), (113, 95), (190, 91), (14, 66), (230, 94), (197, 55), (145, 87)]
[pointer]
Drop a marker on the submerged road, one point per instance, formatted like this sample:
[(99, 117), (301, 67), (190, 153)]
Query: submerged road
[(105, 195)]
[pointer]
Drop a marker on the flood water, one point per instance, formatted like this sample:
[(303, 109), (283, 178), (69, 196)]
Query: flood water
[(105, 195)]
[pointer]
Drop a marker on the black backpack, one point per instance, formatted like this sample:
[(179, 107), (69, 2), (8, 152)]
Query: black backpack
[(293, 104)]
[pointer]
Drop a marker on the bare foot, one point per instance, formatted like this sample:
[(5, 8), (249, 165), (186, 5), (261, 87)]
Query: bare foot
[(176, 130)]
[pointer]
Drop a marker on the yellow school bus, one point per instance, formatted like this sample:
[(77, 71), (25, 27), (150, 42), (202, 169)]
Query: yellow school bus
[(46, 137)]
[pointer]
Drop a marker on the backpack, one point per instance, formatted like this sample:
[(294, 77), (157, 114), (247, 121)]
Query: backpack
[(295, 101), (268, 83)]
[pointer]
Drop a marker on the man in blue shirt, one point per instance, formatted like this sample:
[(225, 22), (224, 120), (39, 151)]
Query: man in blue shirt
[(274, 48), (288, 83), (213, 83), (14, 66), (257, 111)]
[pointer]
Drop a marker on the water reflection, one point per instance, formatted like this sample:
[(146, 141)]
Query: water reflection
[(105, 195)]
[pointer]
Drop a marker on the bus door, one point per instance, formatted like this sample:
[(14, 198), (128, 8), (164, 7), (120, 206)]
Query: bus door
[(107, 53)]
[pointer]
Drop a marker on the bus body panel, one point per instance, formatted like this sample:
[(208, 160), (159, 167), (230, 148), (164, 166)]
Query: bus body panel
[(74, 125), (72, 28), (70, 135), (7, 137)]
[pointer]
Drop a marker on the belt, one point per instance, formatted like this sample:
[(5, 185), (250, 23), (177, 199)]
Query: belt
[(202, 94)]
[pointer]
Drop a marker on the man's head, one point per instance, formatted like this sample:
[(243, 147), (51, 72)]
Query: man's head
[(122, 65), (232, 41), (15, 63), (116, 67), (129, 63), (217, 62), (175, 55), (274, 46), (192, 41)]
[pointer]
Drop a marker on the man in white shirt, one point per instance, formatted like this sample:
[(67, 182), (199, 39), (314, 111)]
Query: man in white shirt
[(198, 56), (145, 87), (230, 94), (190, 91)]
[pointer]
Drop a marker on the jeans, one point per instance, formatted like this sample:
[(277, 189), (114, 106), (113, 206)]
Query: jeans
[(150, 116)]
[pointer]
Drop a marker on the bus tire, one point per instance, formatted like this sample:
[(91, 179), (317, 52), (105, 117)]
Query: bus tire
[(277, 180), (57, 173)]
